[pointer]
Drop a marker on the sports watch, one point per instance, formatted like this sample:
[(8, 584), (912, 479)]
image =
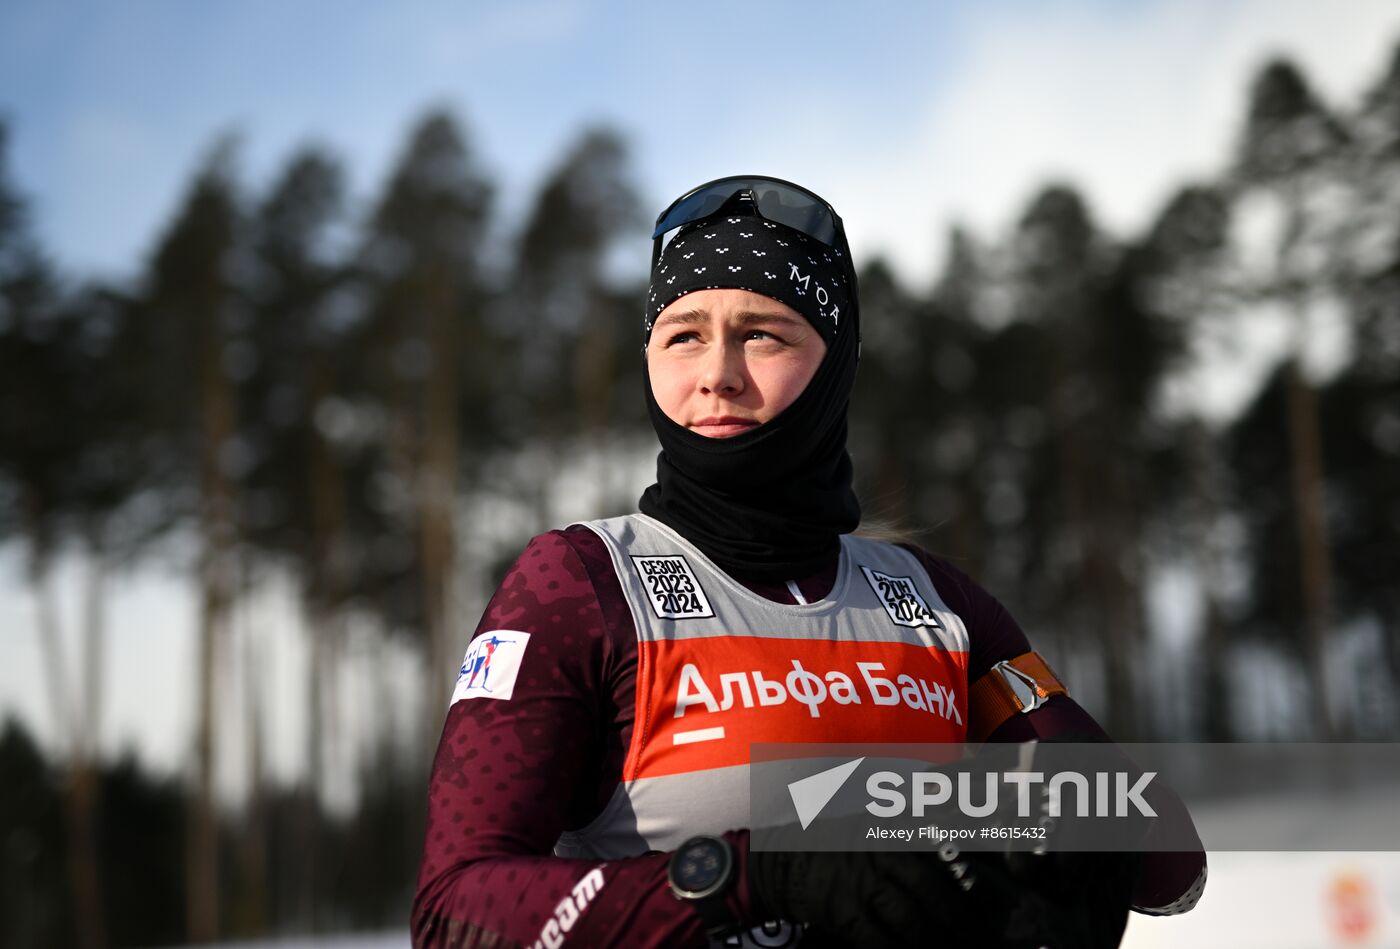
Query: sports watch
[(700, 873)]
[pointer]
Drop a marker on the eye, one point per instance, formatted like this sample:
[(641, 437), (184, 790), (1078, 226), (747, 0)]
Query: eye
[(682, 337), (762, 336)]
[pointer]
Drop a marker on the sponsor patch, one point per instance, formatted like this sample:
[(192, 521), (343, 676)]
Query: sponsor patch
[(709, 698), (901, 599), (491, 665), (672, 589)]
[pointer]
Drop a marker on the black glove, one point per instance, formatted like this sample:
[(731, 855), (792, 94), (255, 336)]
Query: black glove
[(917, 899), (864, 898), (1084, 897)]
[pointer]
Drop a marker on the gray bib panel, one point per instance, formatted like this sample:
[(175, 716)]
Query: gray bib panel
[(701, 633)]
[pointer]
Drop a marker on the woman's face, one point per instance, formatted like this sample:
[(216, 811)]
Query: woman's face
[(725, 361)]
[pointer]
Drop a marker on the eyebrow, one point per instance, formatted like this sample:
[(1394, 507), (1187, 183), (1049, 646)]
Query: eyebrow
[(745, 317)]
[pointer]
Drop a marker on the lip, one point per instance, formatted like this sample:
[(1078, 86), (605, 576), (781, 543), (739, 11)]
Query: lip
[(722, 426)]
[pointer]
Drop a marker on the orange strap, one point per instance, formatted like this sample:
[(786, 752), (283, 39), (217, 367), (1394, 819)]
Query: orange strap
[(1010, 687)]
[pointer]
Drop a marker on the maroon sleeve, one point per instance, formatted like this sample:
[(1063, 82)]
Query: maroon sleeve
[(511, 774), (1168, 881)]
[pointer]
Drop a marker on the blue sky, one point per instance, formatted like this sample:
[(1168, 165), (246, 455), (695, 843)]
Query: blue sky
[(904, 115), (113, 104)]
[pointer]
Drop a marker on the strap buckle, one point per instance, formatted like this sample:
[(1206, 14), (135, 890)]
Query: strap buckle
[(1028, 693)]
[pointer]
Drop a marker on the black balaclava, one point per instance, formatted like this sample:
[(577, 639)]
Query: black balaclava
[(770, 503)]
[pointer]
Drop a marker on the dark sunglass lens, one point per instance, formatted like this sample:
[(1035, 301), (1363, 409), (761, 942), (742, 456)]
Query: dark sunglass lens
[(694, 207), (798, 211)]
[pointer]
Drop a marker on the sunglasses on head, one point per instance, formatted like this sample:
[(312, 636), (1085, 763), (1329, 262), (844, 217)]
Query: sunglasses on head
[(773, 199)]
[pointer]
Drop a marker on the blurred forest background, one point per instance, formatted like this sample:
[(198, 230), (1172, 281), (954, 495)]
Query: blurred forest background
[(381, 406)]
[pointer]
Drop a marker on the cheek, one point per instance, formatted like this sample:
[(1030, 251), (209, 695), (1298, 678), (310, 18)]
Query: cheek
[(784, 380), (668, 385)]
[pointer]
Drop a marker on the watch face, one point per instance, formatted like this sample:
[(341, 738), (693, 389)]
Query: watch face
[(700, 866)]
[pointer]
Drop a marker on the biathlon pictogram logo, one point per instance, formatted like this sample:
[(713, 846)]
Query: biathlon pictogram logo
[(491, 665), (671, 588), (901, 599)]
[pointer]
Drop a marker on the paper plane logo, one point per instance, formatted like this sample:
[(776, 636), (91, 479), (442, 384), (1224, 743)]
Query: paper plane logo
[(811, 794)]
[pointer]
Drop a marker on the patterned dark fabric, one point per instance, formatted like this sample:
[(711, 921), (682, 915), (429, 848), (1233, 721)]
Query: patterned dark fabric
[(748, 253)]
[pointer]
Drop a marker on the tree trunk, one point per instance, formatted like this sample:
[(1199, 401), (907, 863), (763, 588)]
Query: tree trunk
[(1306, 470), (1205, 473), (82, 854), (201, 846), (50, 643), (1111, 570), (1390, 645), (1121, 559), (1099, 611), (1314, 555), (252, 851), (84, 800), (216, 585), (75, 732), (323, 591), (438, 482), (310, 829), (94, 647)]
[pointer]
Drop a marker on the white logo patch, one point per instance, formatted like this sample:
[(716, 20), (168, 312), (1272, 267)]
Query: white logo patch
[(901, 599), (491, 665), (672, 589)]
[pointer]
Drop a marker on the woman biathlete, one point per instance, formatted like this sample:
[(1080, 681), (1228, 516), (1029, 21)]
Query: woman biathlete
[(591, 787)]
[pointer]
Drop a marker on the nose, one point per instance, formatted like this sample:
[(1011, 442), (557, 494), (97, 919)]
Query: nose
[(722, 372)]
